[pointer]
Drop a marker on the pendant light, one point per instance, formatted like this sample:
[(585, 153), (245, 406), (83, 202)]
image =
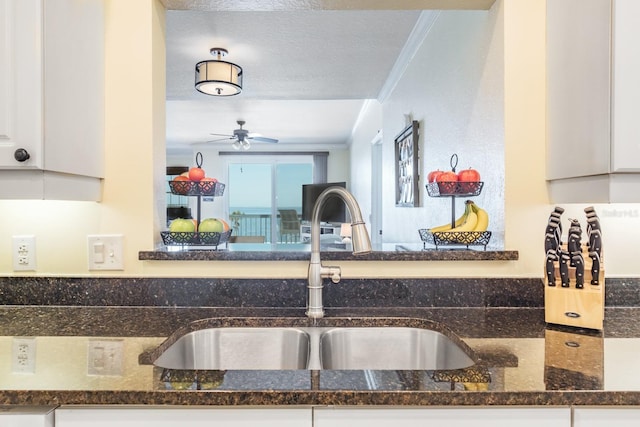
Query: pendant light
[(217, 77)]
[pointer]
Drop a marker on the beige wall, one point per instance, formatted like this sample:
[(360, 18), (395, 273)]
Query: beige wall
[(135, 155)]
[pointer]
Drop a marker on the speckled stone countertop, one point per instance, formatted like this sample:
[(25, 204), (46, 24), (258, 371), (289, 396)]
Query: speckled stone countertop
[(283, 253), (526, 361)]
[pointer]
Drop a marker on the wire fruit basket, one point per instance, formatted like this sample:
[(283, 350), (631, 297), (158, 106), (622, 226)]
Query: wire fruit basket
[(449, 238), (175, 238)]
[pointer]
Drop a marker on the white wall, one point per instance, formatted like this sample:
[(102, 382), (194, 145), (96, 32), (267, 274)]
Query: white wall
[(135, 169), (454, 88)]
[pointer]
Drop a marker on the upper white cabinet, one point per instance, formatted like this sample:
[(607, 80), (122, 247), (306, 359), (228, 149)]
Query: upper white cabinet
[(593, 92), (51, 99)]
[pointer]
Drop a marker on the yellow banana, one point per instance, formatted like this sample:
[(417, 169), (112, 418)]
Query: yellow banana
[(469, 224), (483, 218), (458, 222)]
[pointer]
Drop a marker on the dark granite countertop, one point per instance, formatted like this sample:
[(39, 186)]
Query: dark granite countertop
[(527, 361), (400, 252)]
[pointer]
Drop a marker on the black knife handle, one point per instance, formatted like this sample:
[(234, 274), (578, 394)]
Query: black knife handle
[(550, 267), (578, 262), (564, 270), (595, 268)]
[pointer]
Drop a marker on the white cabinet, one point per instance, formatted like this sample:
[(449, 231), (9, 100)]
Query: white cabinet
[(450, 417), (124, 416), (26, 416), (606, 417), (51, 99), (593, 93)]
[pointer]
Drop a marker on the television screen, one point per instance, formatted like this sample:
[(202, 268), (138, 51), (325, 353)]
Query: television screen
[(334, 209)]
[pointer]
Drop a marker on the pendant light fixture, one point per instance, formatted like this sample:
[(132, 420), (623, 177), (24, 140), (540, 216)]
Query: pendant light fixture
[(217, 77)]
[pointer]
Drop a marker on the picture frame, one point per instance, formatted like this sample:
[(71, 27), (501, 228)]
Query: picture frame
[(406, 161)]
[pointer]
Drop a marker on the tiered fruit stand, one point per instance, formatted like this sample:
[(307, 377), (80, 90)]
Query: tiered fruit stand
[(197, 239), (454, 189)]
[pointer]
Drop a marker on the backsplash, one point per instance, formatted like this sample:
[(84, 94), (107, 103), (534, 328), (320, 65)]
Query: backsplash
[(291, 293)]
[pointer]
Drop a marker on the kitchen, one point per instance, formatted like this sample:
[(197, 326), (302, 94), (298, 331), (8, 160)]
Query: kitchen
[(134, 132)]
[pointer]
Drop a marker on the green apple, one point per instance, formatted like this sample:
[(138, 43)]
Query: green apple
[(211, 225), (181, 225)]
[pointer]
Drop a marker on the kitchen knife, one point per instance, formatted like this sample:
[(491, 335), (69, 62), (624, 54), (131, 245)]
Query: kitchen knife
[(551, 250), (573, 243), (564, 269), (578, 262), (595, 251), (551, 258)]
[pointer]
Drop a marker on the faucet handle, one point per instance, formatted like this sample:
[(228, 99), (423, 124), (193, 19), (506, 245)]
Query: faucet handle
[(334, 273)]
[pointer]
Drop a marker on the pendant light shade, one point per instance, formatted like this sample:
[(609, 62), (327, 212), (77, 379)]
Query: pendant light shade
[(217, 77)]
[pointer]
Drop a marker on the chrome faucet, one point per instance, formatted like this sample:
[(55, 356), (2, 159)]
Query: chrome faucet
[(317, 272)]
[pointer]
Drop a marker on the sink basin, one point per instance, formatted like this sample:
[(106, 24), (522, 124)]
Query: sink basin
[(396, 348), (238, 348), (291, 344)]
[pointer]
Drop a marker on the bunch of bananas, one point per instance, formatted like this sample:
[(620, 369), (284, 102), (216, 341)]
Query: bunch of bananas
[(474, 218)]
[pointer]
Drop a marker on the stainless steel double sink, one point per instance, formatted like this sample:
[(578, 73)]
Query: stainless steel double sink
[(314, 347)]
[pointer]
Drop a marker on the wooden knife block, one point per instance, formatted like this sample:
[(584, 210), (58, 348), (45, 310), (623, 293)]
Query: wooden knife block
[(570, 306)]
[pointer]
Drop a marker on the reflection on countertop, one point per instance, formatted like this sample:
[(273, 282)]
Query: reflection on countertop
[(527, 361)]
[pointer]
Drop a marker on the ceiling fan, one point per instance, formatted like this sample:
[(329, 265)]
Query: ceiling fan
[(242, 137)]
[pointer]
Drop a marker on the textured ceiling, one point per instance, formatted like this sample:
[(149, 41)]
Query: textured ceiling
[(308, 66), (306, 73)]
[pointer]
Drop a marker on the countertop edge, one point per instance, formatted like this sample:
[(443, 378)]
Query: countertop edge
[(321, 398), (426, 255)]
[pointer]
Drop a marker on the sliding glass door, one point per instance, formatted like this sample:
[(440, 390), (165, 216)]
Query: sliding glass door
[(265, 196)]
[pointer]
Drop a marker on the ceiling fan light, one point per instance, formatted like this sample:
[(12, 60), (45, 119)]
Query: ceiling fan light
[(246, 145), (236, 145), (218, 78)]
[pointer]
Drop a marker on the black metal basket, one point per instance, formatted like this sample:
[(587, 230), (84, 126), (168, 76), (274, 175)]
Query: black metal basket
[(454, 188), (174, 238), (455, 238), (193, 188)]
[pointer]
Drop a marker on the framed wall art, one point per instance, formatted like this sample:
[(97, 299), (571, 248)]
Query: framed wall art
[(406, 159)]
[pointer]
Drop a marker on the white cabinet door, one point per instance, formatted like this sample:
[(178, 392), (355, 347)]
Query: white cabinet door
[(578, 88), (626, 86), (74, 85), (606, 417), (52, 99), (17, 416), (21, 82), (123, 416), (449, 417)]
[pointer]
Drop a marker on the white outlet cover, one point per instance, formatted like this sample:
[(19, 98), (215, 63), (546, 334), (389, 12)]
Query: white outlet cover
[(105, 251), (24, 253), (23, 356)]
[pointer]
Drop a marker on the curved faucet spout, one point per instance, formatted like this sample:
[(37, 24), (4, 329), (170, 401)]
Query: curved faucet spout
[(360, 240)]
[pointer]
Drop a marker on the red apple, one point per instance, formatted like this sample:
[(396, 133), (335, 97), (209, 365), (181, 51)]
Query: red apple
[(433, 175), (207, 185), (469, 180), (447, 182), (196, 174), (181, 184), (469, 175)]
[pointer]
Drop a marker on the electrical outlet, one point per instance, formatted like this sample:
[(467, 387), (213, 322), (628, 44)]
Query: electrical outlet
[(104, 357), (105, 252), (23, 356), (24, 253)]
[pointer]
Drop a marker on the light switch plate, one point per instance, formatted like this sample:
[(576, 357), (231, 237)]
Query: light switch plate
[(105, 357), (105, 252)]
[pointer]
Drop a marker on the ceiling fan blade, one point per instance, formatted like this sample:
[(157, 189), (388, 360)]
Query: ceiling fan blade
[(262, 139), (221, 139), (223, 134)]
